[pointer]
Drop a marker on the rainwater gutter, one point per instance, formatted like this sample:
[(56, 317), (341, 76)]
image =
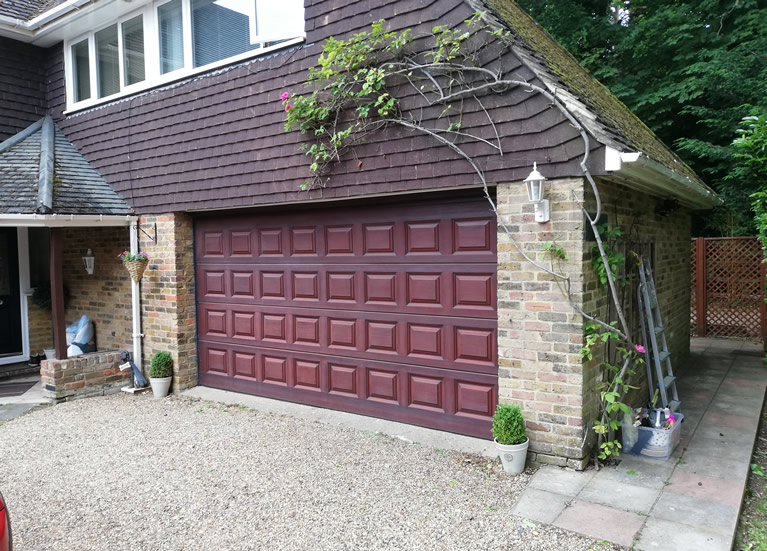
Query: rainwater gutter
[(637, 169), (29, 28)]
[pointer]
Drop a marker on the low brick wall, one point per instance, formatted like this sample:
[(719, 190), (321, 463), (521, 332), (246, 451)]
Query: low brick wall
[(94, 374)]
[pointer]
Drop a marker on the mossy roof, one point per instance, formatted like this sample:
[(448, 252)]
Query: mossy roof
[(606, 118)]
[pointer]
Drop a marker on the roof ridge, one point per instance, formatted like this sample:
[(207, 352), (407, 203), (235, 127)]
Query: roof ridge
[(21, 136), (45, 177)]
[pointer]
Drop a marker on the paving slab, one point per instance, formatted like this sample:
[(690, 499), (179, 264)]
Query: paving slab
[(697, 513), (540, 505), (11, 411), (639, 472), (718, 467), (718, 490), (620, 495), (600, 522), (734, 436), (560, 481), (731, 420), (663, 535), (690, 502), (714, 447)]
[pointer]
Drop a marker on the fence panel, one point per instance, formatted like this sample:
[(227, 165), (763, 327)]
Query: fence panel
[(727, 286)]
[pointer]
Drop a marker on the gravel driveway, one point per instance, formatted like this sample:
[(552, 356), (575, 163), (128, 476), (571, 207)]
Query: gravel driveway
[(130, 472)]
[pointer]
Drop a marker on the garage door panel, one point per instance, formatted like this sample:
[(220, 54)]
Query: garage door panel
[(389, 312), (464, 344), (467, 237), (434, 397), (418, 288)]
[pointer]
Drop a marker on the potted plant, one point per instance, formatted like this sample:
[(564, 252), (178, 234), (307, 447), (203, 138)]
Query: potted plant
[(134, 263), (161, 374), (510, 437)]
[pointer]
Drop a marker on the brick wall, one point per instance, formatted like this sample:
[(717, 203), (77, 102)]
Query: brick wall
[(167, 296), (539, 334), (669, 236), (95, 374), (105, 296)]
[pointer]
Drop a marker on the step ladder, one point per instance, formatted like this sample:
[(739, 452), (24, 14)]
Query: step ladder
[(657, 355)]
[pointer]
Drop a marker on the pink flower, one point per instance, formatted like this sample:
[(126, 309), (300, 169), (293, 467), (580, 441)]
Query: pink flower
[(639, 348), (288, 107), (284, 96)]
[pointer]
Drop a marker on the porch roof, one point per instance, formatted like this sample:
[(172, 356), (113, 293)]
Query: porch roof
[(42, 173)]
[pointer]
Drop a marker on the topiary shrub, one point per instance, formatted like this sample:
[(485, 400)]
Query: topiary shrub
[(508, 425), (161, 366)]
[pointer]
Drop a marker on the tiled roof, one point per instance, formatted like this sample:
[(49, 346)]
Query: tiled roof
[(26, 9), (78, 188)]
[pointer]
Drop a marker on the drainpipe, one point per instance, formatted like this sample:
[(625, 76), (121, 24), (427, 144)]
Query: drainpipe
[(136, 300)]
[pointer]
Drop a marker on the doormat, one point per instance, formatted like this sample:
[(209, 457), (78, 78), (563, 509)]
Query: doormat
[(15, 389)]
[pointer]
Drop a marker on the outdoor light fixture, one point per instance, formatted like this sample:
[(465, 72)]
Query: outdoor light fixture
[(534, 183), (89, 262)]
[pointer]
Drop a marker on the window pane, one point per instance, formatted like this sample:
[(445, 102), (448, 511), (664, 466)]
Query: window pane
[(82, 71), (107, 61), (171, 36), (221, 29), (277, 21), (133, 50)]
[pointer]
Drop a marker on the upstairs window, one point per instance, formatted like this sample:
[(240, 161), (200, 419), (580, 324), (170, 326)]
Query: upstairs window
[(173, 39), (171, 28), (133, 51)]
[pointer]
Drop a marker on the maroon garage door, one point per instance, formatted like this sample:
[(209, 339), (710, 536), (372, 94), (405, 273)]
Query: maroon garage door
[(387, 311)]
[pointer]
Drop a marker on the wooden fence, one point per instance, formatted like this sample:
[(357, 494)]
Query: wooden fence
[(727, 285)]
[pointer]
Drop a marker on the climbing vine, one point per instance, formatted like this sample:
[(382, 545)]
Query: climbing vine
[(356, 90)]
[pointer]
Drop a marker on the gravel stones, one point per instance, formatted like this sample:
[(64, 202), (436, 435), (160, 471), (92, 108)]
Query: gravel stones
[(128, 472)]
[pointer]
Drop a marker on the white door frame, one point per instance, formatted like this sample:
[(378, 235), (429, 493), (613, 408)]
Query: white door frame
[(22, 240)]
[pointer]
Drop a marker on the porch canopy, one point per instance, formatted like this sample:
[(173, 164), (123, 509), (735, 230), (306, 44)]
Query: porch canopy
[(46, 182)]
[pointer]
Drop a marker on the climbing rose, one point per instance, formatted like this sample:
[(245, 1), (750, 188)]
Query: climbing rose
[(639, 348), (284, 96), (288, 108)]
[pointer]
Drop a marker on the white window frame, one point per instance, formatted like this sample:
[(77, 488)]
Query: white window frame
[(152, 75)]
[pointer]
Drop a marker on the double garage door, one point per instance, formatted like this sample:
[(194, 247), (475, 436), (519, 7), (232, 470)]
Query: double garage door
[(388, 310)]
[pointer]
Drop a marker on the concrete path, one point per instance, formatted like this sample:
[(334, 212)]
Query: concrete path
[(13, 406), (690, 502)]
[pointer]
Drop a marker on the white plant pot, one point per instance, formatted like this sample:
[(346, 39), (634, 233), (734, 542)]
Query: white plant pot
[(513, 457), (160, 386)]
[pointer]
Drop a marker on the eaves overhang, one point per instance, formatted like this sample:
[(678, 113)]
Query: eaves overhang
[(637, 170), (65, 220), (49, 27)]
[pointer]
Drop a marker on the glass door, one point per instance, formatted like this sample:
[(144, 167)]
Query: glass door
[(10, 297)]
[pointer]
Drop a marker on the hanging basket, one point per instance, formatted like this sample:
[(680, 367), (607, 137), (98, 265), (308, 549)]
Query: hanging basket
[(136, 268)]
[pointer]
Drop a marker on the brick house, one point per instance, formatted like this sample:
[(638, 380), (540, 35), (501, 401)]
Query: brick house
[(390, 292)]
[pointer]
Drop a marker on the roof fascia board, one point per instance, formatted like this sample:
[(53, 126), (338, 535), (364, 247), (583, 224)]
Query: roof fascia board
[(636, 167), (65, 220), (39, 25)]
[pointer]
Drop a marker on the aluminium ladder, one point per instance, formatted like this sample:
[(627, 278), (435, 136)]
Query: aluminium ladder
[(656, 347)]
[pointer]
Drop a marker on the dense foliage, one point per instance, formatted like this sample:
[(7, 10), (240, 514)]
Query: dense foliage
[(508, 425), (690, 69), (161, 366)]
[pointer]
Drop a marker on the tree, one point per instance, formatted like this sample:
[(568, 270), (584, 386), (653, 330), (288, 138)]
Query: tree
[(691, 70)]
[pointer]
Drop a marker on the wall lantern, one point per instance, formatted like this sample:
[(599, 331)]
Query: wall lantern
[(535, 183), (89, 262)]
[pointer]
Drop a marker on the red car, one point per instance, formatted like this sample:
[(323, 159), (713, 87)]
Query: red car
[(6, 541)]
